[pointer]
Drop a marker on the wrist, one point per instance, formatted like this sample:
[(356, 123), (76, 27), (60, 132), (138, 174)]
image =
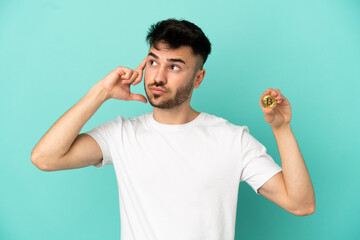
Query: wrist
[(281, 128), (99, 93)]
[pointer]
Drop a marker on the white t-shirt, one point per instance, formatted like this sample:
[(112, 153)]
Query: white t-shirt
[(180, 182)]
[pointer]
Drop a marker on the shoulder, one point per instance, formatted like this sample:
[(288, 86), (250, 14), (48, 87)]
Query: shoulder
[(218, 123), (121, 120), (134, 121)]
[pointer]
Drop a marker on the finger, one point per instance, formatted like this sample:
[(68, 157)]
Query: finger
[(131, 79), (118, 71), (133, 76), (278, 92), (138, 97), (138, 78), (268, 91), (140, 70), (142, 64), (279, 96), (274, 92), (127, 75)]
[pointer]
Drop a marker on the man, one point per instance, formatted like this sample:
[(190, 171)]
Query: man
[(178, 170)]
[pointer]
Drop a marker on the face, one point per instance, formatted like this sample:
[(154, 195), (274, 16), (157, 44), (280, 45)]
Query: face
[(171, 75)]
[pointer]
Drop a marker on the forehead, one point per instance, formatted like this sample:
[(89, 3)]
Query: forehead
[(164, 51)]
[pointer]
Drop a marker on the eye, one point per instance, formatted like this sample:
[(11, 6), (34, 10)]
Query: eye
[(152, 63), (174, 67)]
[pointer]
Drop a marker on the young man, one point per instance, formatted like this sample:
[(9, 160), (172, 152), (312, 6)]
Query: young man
[(178, 170)]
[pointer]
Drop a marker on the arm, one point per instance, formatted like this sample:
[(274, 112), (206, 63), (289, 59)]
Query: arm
[(62, 147), (291, 189)]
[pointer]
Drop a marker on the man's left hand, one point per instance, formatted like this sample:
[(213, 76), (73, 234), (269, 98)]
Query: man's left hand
[(281, 114)]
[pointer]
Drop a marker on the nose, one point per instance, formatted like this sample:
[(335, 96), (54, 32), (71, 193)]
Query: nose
[(160, 77)]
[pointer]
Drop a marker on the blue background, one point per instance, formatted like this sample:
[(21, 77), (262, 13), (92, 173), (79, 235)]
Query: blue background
[(53, 52)]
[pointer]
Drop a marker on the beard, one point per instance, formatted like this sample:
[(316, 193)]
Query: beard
[(181, 95)]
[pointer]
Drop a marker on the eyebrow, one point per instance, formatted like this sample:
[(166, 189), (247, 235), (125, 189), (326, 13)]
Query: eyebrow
[(169, 59)]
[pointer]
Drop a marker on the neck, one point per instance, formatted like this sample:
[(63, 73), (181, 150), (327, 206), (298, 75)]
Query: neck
[(179, 115)]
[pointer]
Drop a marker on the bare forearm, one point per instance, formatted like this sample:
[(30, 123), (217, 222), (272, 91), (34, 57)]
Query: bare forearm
[(296, 175), (58, 139)]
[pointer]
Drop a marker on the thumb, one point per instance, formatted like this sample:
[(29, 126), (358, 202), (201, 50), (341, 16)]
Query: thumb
[(138, 97), (268, 111), (269, 114)]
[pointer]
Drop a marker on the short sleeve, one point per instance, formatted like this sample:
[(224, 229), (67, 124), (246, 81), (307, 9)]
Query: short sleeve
[(257, 166), (103, 135)]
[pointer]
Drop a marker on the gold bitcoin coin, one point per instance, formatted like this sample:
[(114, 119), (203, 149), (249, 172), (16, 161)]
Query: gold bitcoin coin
[(268, 101)]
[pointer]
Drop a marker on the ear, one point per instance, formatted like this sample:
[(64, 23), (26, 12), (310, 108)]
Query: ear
[(199, 77)]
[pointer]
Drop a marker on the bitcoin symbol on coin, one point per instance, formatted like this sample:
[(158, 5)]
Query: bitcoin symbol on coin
[(268, 101)]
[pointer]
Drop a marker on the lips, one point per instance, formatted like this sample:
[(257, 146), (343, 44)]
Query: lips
[(156, 90)]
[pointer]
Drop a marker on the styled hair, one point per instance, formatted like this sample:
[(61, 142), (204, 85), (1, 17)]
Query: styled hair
[(177, 33)]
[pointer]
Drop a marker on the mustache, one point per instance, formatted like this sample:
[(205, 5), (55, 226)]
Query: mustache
[(158, 85)]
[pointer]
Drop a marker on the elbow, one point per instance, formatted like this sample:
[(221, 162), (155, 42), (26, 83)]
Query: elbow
[(40, 164), (304, 206), (304, 211)]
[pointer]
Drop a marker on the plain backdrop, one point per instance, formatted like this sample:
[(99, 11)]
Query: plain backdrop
[(53, 52)]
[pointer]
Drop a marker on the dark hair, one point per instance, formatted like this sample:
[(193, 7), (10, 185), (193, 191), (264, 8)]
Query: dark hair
[(177, 33)]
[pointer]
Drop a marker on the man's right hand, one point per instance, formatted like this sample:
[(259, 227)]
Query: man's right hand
[(117, 83)]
